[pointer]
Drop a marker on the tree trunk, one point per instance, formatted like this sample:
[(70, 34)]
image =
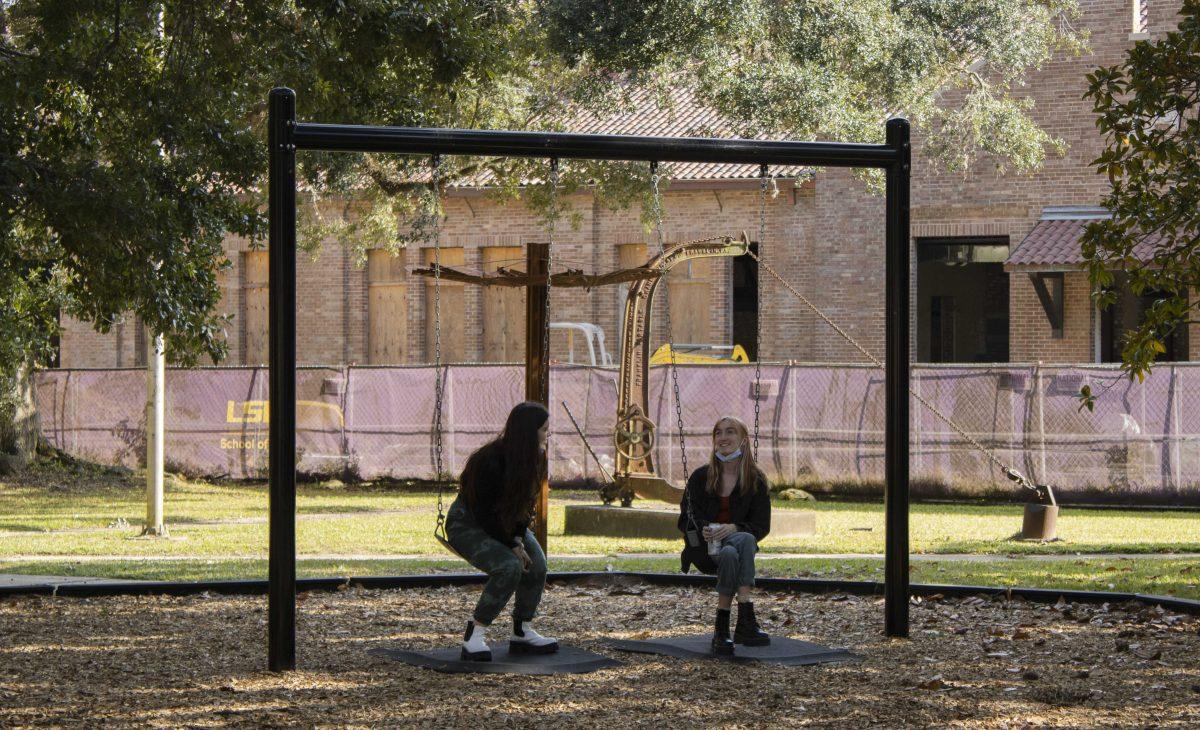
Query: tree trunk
[(18, 422)]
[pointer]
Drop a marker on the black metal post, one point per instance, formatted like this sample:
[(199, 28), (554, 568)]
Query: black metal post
[(896, 431), (281, 598)]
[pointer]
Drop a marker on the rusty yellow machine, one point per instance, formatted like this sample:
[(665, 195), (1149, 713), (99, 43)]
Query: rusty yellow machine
[(634, 433)]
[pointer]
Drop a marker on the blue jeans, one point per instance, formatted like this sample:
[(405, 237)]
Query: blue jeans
[(735, 563)]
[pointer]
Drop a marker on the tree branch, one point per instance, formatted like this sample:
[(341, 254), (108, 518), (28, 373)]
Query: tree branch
[(6, 50)]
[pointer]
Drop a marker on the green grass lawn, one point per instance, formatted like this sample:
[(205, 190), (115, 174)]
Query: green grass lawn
[(841, 528), (348, 521), (219, 530), (52, 502)]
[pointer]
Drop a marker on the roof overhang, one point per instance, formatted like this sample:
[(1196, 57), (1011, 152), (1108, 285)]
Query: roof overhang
[(1054, 243)]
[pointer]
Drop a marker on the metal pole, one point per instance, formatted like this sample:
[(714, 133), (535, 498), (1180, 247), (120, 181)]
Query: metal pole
[(896, 449), (155, 423), (537, 384), (919, 451), (1041, 416), (281, 600), (1176, 430)]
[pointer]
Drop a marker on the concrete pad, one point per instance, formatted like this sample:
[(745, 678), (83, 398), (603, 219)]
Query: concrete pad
[(613, 521)]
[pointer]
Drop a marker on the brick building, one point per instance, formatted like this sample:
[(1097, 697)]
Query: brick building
[(995, 257)]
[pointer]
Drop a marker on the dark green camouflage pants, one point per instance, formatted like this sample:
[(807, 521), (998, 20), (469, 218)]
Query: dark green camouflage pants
[(503, 568)]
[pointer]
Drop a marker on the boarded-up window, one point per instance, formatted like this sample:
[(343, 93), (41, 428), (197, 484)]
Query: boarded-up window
[(255, 298), (503, 308), (453, 309), (387, 310), (689, 285)]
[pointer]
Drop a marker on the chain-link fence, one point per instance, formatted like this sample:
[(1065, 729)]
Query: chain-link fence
[(819, 424)]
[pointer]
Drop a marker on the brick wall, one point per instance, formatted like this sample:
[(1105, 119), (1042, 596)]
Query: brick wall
[(1031, 338), (82, 346)]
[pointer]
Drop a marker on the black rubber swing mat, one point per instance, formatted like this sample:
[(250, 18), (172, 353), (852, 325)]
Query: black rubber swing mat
[(567, 660), (782, 650)]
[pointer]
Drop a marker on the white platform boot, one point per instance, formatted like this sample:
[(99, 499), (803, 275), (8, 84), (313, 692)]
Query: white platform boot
[(527, 641), (474, 646)]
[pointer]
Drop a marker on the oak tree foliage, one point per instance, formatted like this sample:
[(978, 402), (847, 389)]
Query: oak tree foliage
[(132, 132)]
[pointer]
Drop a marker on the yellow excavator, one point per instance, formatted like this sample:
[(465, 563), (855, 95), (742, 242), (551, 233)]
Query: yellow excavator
[(699, 354)]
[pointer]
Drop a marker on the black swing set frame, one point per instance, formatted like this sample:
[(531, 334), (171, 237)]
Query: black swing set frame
[(286, 136)]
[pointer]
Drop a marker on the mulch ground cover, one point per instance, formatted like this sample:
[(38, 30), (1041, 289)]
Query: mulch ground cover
[(975, 662)]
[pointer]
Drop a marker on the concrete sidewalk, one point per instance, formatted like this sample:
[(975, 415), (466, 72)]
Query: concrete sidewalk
[(8, 580)]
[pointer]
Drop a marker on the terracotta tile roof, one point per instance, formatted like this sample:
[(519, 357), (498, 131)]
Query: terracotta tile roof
[(1056, 242), (681, 116)]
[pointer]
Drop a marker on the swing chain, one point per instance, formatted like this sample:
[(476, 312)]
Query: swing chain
[(439, 384), (545, 364), (763, 174), (657, 211)]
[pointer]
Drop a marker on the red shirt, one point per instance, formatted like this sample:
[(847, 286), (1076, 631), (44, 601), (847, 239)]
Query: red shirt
[(723, 513)]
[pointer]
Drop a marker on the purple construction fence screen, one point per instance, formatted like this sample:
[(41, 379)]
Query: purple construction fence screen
[(817, 422)]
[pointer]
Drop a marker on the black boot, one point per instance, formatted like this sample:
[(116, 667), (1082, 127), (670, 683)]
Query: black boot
[(722, 645), (747, 632)]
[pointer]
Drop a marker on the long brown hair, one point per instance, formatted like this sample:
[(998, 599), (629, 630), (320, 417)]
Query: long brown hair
[(749, 474), (524, 464)]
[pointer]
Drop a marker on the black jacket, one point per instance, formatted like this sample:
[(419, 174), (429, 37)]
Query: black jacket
[(750, 514), (485, 469)]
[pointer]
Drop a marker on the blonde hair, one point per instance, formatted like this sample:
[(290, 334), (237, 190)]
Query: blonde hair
[(749, 471)]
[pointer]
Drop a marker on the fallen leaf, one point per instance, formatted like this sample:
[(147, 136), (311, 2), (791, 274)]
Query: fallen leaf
[(933, 683)]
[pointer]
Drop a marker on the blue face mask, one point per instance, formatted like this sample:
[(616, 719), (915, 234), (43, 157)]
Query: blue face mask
[(728, 457)]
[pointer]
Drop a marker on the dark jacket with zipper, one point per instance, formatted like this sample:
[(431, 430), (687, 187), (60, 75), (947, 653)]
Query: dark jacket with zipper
[(750, 514)]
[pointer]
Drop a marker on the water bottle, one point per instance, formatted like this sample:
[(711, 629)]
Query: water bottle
[(714, 545)]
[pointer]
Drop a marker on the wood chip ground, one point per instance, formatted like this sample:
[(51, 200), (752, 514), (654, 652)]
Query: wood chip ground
[(971, 663)]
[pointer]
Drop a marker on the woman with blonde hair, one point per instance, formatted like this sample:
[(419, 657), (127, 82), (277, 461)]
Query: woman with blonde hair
[(725, 513)]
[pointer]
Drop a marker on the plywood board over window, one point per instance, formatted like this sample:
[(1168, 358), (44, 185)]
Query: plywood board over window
[(689, 286), (453, 308), (503, 308), (257, 308), (387, 310)]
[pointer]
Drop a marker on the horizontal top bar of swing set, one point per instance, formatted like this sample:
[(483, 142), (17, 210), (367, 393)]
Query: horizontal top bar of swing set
[(493, 143)]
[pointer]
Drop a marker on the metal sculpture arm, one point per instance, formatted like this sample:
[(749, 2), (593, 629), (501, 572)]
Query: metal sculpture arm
[(634, 434)]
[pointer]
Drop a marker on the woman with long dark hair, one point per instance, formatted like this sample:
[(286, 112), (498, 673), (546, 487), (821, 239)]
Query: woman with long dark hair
[(725, 513), (488, 524)]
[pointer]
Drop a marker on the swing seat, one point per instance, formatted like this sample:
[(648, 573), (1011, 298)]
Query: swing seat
[(649, 486), (446, 544)]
